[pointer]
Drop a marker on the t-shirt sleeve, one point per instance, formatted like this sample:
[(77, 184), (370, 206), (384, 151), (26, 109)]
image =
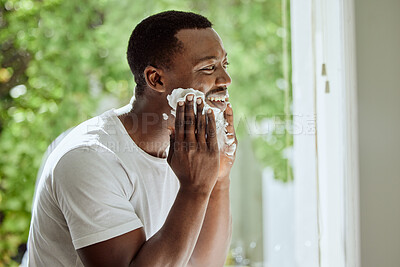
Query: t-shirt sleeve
[(93, 192)]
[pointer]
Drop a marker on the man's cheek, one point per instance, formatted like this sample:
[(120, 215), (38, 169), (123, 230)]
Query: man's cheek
[(201, 86)]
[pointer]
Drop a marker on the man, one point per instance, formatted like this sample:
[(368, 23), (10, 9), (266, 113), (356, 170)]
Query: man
[(108, 196)]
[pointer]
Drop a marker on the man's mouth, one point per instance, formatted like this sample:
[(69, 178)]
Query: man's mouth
[(217, 100)]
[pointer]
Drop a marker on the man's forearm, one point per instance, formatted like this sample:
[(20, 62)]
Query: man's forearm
[(215, 236), (173, 244)]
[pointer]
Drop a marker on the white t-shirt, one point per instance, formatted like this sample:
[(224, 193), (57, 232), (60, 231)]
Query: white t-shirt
[(97, 184)]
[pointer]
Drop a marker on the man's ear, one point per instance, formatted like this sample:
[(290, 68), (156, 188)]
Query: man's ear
[(154, 78)]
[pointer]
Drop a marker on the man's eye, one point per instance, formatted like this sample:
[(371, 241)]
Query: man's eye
[(209, 68), (226, 64)]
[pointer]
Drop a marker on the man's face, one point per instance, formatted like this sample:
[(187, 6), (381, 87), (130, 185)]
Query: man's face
[(201, 65)]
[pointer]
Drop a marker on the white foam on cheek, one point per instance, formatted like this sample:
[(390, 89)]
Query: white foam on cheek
[(180, 94), (165, 116)]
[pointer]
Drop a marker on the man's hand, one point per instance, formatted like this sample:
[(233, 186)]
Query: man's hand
[(213, 243), (194, 153), (228, 153)]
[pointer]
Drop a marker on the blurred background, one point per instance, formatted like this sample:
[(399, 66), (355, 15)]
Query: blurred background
[(62, 62)]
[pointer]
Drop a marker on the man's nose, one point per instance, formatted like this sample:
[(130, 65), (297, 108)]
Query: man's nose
[(223, 78)]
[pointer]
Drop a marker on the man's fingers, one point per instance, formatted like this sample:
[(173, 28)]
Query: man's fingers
[(211, 131), (179, 125), (228, 114), (171, 147), (230, 129), (200, 125), (190, 120)]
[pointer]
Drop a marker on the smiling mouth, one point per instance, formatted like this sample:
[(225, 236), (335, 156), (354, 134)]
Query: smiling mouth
[(217, 100)]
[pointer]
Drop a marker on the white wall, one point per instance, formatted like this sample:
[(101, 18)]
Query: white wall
[(378, 74)]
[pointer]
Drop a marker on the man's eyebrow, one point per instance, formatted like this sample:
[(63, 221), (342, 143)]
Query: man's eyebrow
[(198, 61)]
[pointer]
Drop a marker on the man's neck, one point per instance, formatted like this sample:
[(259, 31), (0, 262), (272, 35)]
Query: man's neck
[(146, 127)]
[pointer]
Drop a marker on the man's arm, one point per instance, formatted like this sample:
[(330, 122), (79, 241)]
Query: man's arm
[(172, 245), (194, 157), (215, 236)]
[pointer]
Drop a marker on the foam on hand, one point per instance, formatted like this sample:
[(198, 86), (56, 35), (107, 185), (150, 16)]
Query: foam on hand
[(224, 143), (181, 94)]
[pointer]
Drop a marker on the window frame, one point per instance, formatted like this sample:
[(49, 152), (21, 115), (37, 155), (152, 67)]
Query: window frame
[(326, 178)]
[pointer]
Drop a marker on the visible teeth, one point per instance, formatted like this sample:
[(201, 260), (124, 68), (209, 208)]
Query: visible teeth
[(218, 98)]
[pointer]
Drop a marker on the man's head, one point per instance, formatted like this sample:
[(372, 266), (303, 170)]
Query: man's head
[(153, 41), (175, 50)]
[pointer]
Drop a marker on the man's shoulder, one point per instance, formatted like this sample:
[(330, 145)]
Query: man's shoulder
[(87, 144), (93, 159), (95, 133)]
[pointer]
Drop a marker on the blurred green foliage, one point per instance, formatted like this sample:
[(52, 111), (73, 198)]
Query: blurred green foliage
[(60, 59)]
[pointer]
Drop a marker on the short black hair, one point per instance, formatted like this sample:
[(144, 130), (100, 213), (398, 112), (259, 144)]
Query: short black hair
[(153, 41)]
